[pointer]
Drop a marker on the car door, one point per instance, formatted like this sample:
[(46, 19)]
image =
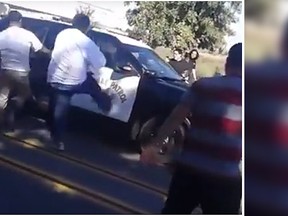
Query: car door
[(37, 62), (46, 32), (4, 23), (119, 78)]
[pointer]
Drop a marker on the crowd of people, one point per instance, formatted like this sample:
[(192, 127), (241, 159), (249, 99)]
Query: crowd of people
[(204, 169), (184, 65)]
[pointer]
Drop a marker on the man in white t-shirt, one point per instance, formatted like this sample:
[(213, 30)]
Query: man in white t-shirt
[(73, 56), (15, 46)]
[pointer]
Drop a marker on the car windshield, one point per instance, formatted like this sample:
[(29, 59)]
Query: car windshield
[(152, 62)]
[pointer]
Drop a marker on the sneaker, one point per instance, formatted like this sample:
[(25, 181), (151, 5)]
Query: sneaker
[(61, 146), (7, 130), (57, 145)]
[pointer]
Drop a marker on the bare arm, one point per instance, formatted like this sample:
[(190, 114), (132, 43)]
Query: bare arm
[(175, 119), (37, 46), (177, 116), (94, 57), (194, 74), (45, 51)]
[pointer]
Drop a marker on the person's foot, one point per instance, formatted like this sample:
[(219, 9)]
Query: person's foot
[(59, 146), (4, 129), (105, 102), (7, 127)]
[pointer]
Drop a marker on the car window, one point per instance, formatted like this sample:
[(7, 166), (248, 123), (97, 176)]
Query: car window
[(38, 27), (51, 37), (113, 51), (3, 23), (45, 30), (54, 30), (152, 62), (41, 34), (34, 25)]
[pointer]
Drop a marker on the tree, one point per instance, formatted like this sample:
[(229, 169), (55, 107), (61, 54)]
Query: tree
[(87, 10), (259, 9), (4, 9), (183, 24)]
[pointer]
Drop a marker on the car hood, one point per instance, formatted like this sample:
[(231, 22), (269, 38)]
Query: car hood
[(177, 84), (171, 91)]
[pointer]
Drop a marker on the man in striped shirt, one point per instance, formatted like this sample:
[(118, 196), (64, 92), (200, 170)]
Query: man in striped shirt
[(266, 136), (207, 171)]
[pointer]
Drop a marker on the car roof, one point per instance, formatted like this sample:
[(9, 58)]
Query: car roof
[(129, 41), (47, 17)]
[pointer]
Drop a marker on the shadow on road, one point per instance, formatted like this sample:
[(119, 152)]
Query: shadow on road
[(88, 143)]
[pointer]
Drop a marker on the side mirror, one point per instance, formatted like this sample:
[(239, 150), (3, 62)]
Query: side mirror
[(126, 68), (148, 73)]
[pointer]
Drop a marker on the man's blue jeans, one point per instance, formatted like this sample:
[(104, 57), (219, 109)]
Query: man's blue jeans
[(59, 103)]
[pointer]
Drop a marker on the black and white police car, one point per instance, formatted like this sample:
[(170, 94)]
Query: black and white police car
[(144, 88)]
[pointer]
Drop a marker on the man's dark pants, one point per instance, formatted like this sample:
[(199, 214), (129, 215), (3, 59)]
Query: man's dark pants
[(188, 189), (59, 103)]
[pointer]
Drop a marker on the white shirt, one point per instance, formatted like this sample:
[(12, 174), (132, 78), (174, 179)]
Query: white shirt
[(73, 56), (15, 44)]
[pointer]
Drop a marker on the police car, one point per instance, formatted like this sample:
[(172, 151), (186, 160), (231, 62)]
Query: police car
[(144, 88)]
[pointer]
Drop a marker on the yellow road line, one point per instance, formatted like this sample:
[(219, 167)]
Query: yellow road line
[(108, 200), (38, 145)]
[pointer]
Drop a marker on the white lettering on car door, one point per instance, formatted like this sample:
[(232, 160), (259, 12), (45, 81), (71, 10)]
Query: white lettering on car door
[(121, 88)]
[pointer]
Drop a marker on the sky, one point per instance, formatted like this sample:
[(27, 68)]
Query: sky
[(239, 33), (110, 13)]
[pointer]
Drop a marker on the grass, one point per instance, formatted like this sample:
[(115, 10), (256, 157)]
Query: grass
[(207, 64), (261, 41)]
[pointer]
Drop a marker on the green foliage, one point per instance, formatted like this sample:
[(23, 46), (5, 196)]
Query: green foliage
[(182, 24), (207, 64), (259, 9)]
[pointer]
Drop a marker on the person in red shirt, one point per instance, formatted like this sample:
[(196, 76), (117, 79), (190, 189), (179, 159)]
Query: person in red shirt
[(208, 168)]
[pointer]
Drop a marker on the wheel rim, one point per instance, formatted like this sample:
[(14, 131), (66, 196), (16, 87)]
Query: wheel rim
[(170, 145), (166, 147)]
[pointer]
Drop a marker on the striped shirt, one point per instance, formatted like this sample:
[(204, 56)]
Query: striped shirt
[(214, 142), (266, 136)]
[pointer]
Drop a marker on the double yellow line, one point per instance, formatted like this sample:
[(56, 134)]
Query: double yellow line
[(99, 198), (34, 143)]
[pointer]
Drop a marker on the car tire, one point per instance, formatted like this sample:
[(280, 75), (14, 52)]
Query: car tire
[(149, 128)]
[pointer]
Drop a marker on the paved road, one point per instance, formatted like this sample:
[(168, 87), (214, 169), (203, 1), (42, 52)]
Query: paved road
[(25, 194), (21, 193), (90, 145), (89, 149)]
